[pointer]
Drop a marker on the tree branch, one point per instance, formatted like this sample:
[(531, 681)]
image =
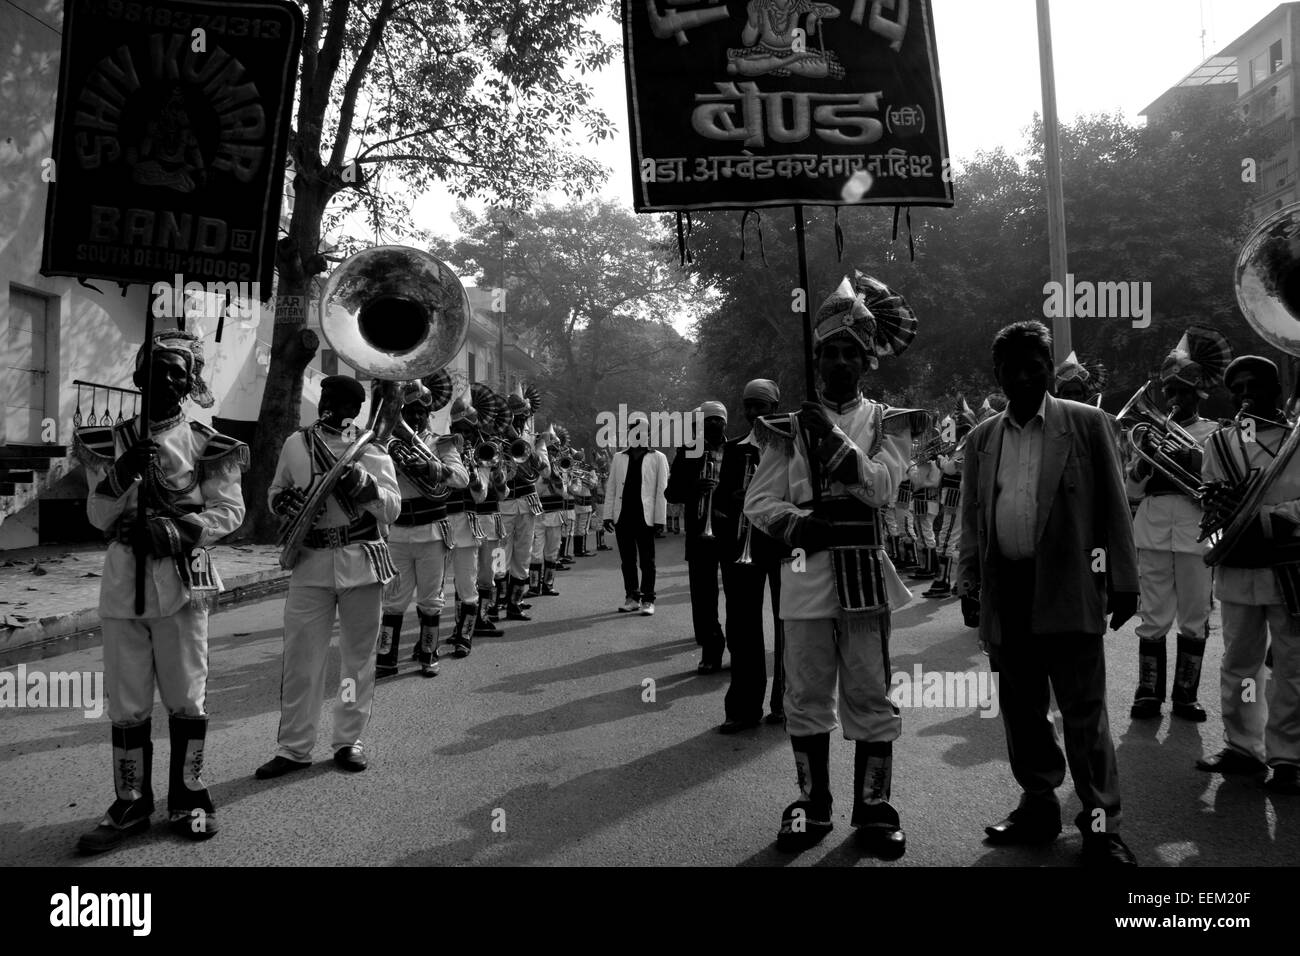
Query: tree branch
[(359, 70), (397, 139)]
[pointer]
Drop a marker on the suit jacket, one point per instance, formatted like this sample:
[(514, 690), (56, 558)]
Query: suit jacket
[(683, 473), (654, 478), (1081, 507), (729, 505)]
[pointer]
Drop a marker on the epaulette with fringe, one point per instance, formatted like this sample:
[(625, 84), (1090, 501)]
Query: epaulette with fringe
[(221, 454), (776, 430), (93, 446), (907, 421)]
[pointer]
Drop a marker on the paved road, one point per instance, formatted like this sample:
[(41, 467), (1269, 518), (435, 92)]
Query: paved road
[(545, 731)]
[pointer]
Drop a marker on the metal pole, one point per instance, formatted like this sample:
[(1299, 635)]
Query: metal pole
[(810, 382), (501, 316), (1055, 186), (142, 490)]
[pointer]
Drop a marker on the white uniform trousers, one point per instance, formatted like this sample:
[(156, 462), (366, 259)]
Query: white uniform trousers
[(464, 572), (924, 523), (488, 550), (949, 538), (1173, 584), (420, 572), (890, 516), (582, 523), (517, 524), (171, 650), (546, 538), (852, 649), (308, 622), (1266, 724)]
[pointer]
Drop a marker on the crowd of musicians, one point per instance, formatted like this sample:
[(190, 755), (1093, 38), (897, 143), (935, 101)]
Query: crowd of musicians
[(1040, 512)]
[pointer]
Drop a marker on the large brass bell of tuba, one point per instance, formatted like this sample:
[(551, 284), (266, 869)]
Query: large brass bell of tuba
[(394, 313), (1267, 281)]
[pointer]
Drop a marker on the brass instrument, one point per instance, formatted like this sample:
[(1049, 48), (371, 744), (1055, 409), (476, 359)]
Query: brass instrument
[(1269, 297), (745, 556), (404, 436), (711, 468), (1142, 419), (394, 313)]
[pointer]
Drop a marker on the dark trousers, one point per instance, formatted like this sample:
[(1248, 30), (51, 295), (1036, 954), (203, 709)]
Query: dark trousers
[(1073, 665), (743, 584), (702, 561), (636, 540)]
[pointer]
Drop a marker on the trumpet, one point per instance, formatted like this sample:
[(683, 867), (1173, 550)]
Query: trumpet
[(711, 469), (404, 439), (745, 557)]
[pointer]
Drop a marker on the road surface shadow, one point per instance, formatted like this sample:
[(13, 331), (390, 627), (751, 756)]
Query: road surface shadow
[(544, 819), (535, 681)]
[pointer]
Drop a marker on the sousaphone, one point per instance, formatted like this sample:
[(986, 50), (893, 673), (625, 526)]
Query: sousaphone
[(393, 313)]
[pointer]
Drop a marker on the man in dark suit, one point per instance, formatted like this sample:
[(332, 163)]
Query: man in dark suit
[(1047, 545), (743, 583)]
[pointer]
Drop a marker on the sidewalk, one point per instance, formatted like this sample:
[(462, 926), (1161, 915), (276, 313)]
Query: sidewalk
[(52, 591)]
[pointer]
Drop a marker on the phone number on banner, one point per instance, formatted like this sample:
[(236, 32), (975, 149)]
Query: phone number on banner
[(184, 20), (897, 164)]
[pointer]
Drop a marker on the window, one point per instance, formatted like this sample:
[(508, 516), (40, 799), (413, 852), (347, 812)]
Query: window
[(329, 362), (473, 375), (1257, 66), (1275, 57)]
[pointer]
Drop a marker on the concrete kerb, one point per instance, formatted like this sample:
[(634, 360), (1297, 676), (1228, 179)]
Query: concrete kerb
[(81, 627)]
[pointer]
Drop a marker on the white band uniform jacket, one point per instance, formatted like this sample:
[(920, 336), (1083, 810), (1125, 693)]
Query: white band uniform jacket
[(457, 478), (185, 459), (354, 565), (781, 491)]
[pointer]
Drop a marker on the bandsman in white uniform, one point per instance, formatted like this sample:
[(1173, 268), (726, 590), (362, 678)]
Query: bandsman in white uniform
[(342, 569), (194, 500), (823, 475)]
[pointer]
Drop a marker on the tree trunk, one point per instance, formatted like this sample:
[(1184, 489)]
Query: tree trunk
[(292, 348)]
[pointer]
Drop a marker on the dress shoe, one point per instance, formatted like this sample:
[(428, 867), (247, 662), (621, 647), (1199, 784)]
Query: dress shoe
[(1189, 711), (1285, 779), (888, 843), (1228, 760), (279, 766), (1145, 708), (805, 831), (385, 670), (350, 758), (516, 614), (730, 726), (1022, 828), (708, 667), (1106, 850), (775, 717)]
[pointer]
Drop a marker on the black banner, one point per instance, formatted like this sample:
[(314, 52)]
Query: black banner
[(170, 138), (738, 104)]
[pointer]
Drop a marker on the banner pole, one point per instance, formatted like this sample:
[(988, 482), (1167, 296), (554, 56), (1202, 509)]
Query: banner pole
[(142, 490), (810, 384)]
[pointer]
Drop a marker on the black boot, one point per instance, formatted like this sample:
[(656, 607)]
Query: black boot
[(891, 548), (925, 568), (562, 559), (390, 636), (501, 587), (132, 772), (877, 821), (600, 542), (548, 581), (1187, 678), (189, 806), (483, 625), (806, 822), (580, 546), (1151, 679), (534, 581), (513, 611), (426, 650), (462, 638), (942, 586)]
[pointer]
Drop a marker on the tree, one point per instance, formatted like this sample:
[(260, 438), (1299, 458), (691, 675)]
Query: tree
[(598, 287), (474, 95), (1163, 204)]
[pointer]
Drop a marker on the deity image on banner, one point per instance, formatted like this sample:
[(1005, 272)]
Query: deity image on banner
[(776, 45)]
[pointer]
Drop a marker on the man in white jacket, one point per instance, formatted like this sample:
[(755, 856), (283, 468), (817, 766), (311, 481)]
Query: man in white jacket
[(638, 475)]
